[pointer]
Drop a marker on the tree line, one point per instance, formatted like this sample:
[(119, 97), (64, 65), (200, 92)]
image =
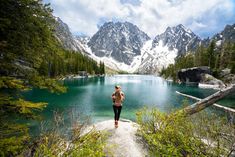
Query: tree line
[(216, 57), (69, 62)]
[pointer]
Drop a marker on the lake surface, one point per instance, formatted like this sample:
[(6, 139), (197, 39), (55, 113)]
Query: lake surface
[(92, 96)]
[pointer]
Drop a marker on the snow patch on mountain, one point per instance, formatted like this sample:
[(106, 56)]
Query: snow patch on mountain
[(109, 61), (153, 59)]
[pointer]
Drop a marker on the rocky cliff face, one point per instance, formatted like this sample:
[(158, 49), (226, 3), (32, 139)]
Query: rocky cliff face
[(120, 41), (228, 34), (193, 74), (66, 38)]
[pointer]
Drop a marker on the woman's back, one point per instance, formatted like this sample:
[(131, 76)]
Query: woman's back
[(119, 96)]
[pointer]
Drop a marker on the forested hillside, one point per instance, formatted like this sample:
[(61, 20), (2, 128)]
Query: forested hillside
[(217, 57), (30, 57)]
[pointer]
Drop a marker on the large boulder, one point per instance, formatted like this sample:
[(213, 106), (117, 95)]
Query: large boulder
[(193, 75), (209, 81)]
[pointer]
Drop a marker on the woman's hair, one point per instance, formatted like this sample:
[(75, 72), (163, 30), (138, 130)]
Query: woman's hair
[(117, 87), (118, 96)]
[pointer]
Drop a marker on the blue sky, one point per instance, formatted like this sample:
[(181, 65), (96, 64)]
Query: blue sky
[(203, 17)]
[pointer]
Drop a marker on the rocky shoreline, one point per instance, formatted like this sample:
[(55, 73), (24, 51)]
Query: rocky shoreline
[(77, 76)]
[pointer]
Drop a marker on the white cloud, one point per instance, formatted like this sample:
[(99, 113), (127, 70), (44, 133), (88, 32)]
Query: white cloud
[(196, 25), (151, 16)]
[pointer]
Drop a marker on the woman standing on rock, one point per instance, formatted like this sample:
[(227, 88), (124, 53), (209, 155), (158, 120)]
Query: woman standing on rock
[(117, 96)]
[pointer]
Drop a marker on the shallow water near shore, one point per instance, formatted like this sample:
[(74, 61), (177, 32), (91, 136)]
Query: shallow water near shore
[(92, 97)]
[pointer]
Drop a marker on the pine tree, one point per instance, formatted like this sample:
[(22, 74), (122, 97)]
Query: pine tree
[(225, 56), (101, 68), (232, 59), (211, 55)]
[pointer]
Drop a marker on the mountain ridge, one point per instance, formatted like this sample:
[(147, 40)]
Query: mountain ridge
[(123, 46)]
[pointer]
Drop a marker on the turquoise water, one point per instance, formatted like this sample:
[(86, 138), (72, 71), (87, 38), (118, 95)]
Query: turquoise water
[(92, 96)]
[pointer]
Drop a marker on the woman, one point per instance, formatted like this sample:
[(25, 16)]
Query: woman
[(117, 96)]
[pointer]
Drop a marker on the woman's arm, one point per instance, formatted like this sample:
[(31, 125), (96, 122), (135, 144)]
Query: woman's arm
[(113, 97), (122, 96)]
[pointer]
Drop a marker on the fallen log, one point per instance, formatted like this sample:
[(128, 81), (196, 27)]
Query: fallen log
[(227, 109), (208, 101)]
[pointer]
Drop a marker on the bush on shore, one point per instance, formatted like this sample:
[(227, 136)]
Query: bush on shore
[(203, 134)]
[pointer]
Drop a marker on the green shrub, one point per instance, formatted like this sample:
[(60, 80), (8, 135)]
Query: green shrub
[(178, 135), (54, 141)]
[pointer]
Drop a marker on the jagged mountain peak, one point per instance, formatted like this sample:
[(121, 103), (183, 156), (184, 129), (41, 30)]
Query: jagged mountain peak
[(121, 27), (178, 37), (65, 37), (178, 29), (183, 28), (118, 40), (118, 23), (227, 34)]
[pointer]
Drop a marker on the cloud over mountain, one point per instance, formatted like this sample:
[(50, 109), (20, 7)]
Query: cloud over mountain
[(152, 16)]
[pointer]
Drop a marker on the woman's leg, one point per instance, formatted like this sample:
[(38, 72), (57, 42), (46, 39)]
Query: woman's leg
[(119, 112), (115, 110)]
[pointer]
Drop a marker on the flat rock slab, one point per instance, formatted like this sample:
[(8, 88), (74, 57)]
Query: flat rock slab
[(122, 141)]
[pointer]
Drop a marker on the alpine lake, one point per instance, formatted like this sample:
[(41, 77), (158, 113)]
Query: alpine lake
[(91, 98)]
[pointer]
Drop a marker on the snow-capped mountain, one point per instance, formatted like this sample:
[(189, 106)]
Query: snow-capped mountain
[(151, 60), (165, 47), (120, 41), (123, 46), (179, 38)]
